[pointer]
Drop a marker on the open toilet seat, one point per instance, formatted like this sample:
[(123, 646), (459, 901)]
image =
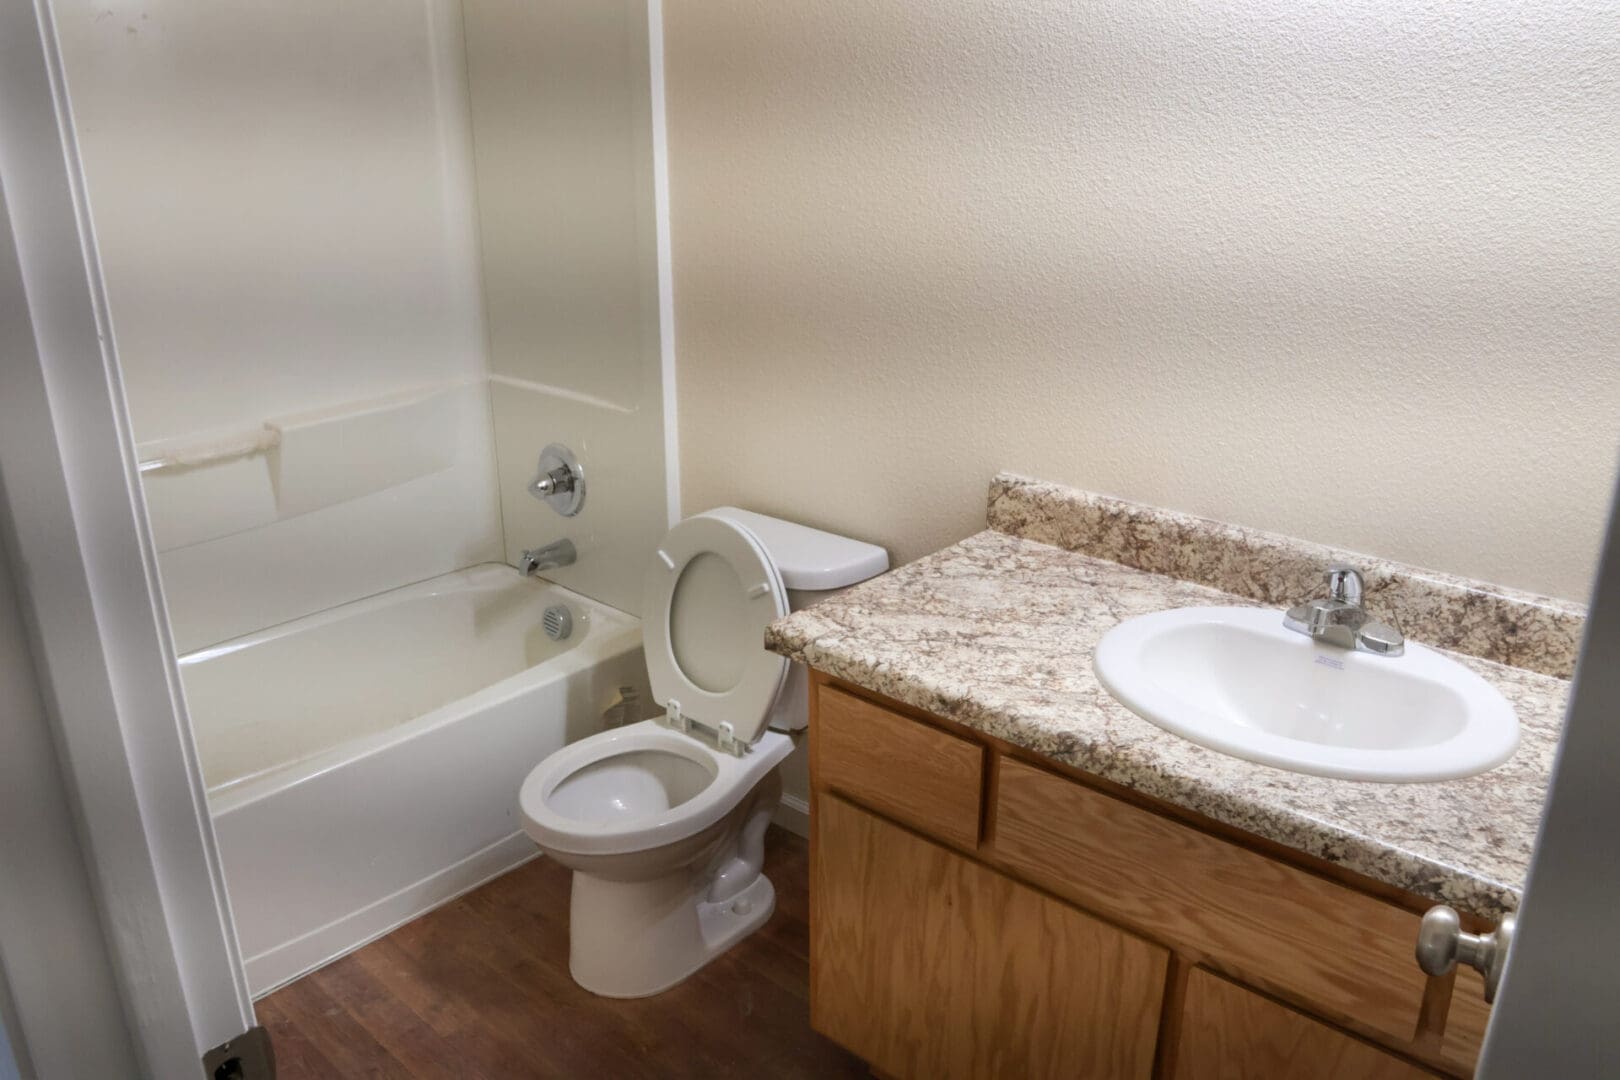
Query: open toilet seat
[(710, 593), (599, 824)]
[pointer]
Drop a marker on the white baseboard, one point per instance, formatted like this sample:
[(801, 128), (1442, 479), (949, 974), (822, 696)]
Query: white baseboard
[(274, 968), (793, 814)]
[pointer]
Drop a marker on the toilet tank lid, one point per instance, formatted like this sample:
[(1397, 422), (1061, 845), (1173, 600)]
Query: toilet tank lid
[(809, 559)]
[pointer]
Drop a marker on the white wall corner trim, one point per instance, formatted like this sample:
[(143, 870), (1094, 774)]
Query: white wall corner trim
[(666, 265)]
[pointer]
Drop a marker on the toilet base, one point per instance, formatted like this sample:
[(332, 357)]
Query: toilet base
[(630, 939)]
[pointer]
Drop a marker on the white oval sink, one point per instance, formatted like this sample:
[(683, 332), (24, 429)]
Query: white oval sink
[(1235, 680)]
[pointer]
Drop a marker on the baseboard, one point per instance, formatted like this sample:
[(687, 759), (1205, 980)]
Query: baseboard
[(793, 814), (274, 968)]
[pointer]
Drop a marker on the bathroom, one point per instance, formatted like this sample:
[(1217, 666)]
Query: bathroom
[(508, 471)]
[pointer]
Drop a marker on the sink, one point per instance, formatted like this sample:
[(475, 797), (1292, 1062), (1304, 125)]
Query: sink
[(1235, 680)]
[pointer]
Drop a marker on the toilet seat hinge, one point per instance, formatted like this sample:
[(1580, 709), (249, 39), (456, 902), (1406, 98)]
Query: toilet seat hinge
[(725, 736)]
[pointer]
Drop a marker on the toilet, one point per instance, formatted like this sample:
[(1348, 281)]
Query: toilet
[(663, 821)]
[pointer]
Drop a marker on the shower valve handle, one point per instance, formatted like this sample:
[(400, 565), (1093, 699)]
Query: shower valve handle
[(559, 481)]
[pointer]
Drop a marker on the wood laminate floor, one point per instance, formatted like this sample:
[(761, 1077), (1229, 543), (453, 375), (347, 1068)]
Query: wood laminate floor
[(480, 988)]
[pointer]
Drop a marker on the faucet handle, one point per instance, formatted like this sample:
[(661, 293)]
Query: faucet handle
[(1344, 584), (1381, 638), (559, 481)]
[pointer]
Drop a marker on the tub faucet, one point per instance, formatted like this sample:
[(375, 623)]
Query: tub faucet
[(1341, 620), (549, 557)]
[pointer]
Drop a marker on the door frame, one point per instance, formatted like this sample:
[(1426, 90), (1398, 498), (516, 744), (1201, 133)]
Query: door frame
[(86, 571)]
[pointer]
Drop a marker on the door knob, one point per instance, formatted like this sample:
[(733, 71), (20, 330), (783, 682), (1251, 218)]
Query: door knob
[(1442, 945)]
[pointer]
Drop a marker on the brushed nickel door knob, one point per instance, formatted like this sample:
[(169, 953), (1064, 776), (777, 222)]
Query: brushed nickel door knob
[(1442, 944)]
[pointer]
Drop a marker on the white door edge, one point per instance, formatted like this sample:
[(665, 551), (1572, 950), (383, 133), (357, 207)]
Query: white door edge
[(1554, 1014), (88, 570)]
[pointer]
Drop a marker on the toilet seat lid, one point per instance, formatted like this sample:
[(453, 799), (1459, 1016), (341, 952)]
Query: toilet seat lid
[(710, 592)]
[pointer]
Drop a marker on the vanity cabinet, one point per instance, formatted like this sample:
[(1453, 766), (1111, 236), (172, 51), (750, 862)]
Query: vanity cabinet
[(928, 964), (977, 911)]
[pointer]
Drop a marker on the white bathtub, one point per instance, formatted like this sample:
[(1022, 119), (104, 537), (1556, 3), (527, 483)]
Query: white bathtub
[(363, 764)]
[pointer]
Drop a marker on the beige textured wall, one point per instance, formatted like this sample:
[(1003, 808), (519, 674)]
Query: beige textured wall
[(1346, 271)]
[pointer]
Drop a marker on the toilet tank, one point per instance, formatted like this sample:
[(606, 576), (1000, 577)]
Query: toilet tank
[(814, 565), (809, 560)]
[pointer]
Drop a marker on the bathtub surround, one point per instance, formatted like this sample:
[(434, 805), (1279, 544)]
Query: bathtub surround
[(560, 106), (351, 500), (343, 355), (996, 632), (1342, 271), (266, 267)]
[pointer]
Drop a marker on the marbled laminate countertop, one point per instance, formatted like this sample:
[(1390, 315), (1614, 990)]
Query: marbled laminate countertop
[(997, 633)]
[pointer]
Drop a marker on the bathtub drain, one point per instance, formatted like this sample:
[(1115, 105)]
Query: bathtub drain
[(558, 621)]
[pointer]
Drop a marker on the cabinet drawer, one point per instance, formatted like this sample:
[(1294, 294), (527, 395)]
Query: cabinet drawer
[(908, 770), (1346, 955), (1228, 1033)]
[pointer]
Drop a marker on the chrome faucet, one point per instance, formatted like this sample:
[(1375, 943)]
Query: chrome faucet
[(549, 557), (1341, 620)]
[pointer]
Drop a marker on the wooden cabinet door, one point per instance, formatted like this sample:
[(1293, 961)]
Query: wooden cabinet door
[(1229, 1033), (1465, 1022), (1259, 919), (929, 965)]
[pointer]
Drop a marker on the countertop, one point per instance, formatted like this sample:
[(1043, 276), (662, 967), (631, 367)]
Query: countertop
[(997, 633)]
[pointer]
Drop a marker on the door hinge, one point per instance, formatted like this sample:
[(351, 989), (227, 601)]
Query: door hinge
[(249, 1056)]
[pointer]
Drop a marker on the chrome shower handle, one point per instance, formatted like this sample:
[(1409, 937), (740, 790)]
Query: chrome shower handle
[(560, 480)]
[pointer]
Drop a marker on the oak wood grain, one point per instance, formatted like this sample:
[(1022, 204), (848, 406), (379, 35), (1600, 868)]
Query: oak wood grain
[(1175, 993), (1229, 1033), (1000, 748), (1465, 1023), (930, 965), (914, 773), (1346, 955)]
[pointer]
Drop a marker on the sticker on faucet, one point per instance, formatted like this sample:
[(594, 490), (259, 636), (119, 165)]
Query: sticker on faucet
[(1328, 661)]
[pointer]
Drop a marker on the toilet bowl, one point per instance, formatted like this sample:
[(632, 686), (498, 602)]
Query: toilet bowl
[(663, 821), (666, 838)]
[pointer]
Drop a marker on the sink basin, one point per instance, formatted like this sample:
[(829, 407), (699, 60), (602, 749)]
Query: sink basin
[(1235, 680)]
